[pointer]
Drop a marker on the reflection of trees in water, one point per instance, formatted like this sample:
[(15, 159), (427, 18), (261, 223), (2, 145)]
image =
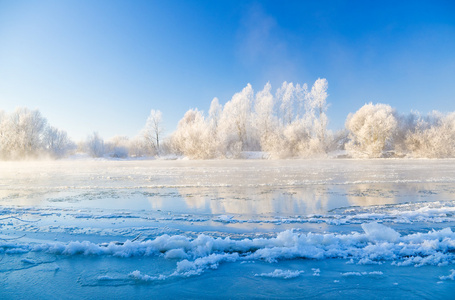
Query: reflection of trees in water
[(380, 182), (22, 197), (367, 194), (257, 200), (430, 191), (299, 200), (197, 198), (371, 194), (156, 203), (368, 191), (301, 187), (251, 187), (168, 199)]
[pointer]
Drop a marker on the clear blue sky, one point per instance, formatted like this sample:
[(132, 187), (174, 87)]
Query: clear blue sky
[(103, 65)]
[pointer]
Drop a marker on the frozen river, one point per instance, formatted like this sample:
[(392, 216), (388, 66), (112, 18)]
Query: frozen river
[(227, 229)]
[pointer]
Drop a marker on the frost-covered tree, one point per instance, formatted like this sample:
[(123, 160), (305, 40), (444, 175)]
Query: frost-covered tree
[(318, 107), (301, 98), (194, 136), (29, 126), (292, 124), (235, 123), (371, 130), (25, 133), (303, 131), (139, 147), (214, 115), (57, 143), (4, 135), (3, 116), (407, 124), (289, 141), (153, 130), (338, 140), (433, 136), (286, 97), (118, 146), (264, 119), (22, 134), (95, 145)]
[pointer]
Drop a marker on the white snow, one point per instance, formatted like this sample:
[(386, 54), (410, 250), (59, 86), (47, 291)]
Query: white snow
[(175, 254), (373, 273), (278, 273), (137, 275), (205, 252), (451, 276), (377, 232)]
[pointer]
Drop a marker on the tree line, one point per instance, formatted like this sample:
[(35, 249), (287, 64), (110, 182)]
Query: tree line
[(290, 123), (25, 133)]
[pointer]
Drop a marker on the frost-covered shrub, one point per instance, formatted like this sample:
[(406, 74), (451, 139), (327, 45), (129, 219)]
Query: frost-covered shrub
[(95, 145), (120, 152), (235, 127), (194, 137), (22, 134), (371, 130), (57, 143), (374, 129), (25, 133), (338, 140), (406, 125), (139, 147), (118, 146), (433, 136), (287, 141)]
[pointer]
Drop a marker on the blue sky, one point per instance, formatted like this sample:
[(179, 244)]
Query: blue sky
[(103, 65)]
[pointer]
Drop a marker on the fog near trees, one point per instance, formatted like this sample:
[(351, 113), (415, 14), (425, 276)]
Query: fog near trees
[(290, 122), (25, 134)]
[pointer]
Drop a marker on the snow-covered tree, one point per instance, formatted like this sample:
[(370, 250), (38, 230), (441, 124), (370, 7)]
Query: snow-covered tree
[(118, 146), (56, 142), (215, 114), (292, 124), (235, 123), (95, 145), (289, 141), (317, 111), (286, 97), (302, 131), (25, 133), (153, 130), (4, 135), (264, 119), (194, 136), (139, 147), (22, 134), (433, 136), (371, 130)]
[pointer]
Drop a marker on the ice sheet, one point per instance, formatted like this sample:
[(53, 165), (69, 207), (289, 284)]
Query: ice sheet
[(289, 225)]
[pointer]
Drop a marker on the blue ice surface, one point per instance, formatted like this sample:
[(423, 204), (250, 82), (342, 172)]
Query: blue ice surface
[(225, 230)]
